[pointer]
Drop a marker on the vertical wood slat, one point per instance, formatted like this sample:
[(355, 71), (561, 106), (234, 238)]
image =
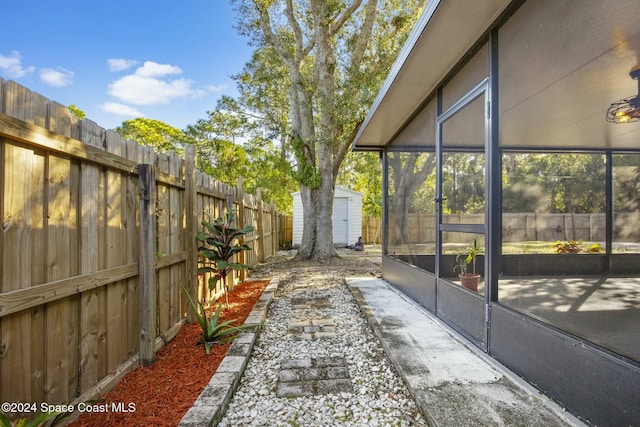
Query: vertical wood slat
[(146, 174), (116, 293), (62, 379), (193, 206), (15, 339), (260, 230), (91, 302), (134, 152), (23, 104), (164, 247), (199, 216), (57, 318), (176, 214), (241, 222)]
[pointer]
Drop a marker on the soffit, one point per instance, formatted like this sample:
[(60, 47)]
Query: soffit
[(445, 32)]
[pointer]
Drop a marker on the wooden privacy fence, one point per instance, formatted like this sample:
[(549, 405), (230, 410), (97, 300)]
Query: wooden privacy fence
[(518, 227), (97, 243)]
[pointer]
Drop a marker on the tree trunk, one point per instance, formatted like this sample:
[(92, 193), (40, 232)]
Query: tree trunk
[(317, 231), (407, 179)]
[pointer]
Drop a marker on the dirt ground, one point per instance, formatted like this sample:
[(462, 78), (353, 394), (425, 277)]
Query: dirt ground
[(365, 262)]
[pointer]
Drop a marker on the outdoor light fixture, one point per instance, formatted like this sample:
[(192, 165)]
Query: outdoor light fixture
[(626, 110)]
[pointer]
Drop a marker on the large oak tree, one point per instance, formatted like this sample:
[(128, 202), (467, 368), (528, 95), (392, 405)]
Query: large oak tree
[(336, 54)]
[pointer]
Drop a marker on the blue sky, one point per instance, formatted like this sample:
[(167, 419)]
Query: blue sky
[(117, 60)]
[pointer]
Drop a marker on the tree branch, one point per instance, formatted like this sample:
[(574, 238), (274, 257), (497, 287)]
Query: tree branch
[(265, 25), (343, 148), (345, 16), (365, 32), (297, 31)]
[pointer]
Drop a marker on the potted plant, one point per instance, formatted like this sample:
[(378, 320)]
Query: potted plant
[(469, 280), (219, 246)]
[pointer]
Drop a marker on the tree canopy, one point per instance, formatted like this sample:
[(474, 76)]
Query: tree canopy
[(155, 133), (329, 58)]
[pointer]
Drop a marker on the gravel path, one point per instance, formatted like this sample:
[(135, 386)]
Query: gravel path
[(344, 378)]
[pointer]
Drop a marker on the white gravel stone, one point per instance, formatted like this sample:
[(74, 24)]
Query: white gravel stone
[(379, 398)]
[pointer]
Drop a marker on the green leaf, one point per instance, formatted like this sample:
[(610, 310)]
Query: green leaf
[(213, 255), (4, 421), (220, 331), (237, 266), (201, 320), (213, 282)]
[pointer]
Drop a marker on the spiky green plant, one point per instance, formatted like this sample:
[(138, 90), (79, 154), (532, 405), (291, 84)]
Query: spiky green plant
[(45, 419), (213, 330)]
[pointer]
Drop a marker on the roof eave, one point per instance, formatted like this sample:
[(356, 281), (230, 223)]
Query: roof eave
[(432, 50)]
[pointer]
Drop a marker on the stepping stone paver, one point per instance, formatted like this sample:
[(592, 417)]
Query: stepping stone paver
[(312, 329), (311, 376)]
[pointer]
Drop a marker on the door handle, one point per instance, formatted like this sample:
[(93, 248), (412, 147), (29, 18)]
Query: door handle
[(440, 199)]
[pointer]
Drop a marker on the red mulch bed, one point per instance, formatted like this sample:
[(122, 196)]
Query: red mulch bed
[(163, 392)]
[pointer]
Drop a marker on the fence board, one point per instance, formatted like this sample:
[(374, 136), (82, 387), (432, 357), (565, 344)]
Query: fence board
[(16, 345), (91, 302), (176, 224), (134, 153), (190, 203), (163, 245), (147, 264), (24, 104), (117, 348), (38, 259), (62, 121), (22, 299), (16, 271), (56, 387)]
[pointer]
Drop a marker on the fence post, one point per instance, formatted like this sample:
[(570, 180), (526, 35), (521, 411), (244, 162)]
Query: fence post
[(146, 176), (191, 225), (240, 222), (274, 228), (260, 230)]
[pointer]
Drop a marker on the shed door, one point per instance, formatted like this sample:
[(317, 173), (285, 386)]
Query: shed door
[(341, 220)]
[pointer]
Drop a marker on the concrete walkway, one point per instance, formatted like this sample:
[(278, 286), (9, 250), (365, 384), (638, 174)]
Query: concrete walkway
[(453, 384)]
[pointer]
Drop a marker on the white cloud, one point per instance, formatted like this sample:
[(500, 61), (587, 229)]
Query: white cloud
[(120, 64), (216, 89), (153, 69), (58, 77), (120, 109), (148, 85), (11, 66)]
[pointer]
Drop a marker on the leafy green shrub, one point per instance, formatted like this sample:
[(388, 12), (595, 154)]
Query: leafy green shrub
[(218, 246), (575, 247)]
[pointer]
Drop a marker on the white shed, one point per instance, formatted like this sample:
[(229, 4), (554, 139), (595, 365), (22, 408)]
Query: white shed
[(347, 217)]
